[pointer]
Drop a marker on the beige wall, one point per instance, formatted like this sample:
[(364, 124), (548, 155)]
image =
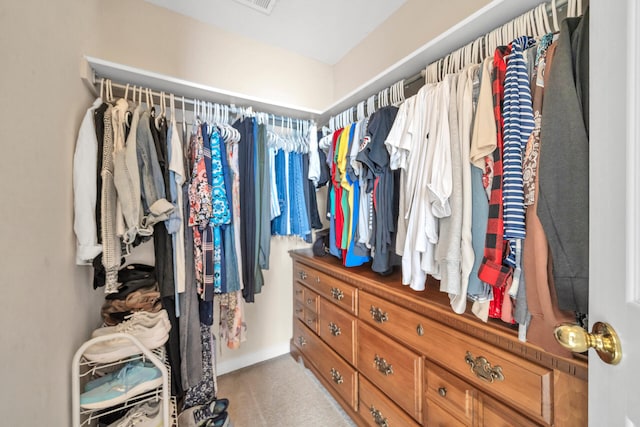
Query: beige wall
[(146, 36), (410, 27), (48, 304)]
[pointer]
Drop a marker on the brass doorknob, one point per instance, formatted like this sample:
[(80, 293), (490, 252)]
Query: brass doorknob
[(603, 339)]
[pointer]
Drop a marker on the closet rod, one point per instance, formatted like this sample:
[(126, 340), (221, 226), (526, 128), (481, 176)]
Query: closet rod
[(559, 4), (234, 109)]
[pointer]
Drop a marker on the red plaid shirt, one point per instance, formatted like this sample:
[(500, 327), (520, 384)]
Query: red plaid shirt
[(492, 270)]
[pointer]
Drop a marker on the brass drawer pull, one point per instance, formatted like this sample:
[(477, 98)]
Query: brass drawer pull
[(334, 329), (377, 417), (302, 275), (302, 341), (310, 321), (378, 315), (420, 330), (442, 392), (310, 301), (298, 291), (298, 310), (337, 294), (337, 378), (482, 368), (382, 366)]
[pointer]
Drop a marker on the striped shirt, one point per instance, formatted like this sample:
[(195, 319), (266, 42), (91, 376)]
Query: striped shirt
[(518, 125)]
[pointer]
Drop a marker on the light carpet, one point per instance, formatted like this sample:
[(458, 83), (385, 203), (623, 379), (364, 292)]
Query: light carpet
[(279, 392)]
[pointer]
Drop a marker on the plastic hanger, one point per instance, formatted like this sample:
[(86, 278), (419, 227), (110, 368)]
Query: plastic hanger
[(109, 91), (570, 8), (540, 30), (164, 104), (184, 119), (578, 7), (545, 18), (554, 14), (172, 108)]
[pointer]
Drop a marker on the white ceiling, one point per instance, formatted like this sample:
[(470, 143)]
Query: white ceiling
[(323, 30)]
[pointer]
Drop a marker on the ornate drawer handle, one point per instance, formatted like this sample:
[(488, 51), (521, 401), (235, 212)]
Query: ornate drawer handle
[(334, 329), (482, 368), (382, 366), (310, 321), (302, 341), (442, 392), (302, 275), (377, 417), (310, 301), (420, 330), (337, 378), (378, 315), (337, 294)]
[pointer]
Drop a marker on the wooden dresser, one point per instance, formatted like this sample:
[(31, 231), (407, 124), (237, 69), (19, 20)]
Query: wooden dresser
[(394, 357)]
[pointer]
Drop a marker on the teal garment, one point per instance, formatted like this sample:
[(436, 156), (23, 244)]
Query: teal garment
[(221, 213)]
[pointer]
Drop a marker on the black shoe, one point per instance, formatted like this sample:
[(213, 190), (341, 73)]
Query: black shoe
[(221, 420)]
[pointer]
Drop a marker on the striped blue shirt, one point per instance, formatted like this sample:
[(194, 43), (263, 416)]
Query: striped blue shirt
[(518, 125)]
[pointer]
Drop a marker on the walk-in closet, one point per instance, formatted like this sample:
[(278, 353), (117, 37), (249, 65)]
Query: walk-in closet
[(377, 213)]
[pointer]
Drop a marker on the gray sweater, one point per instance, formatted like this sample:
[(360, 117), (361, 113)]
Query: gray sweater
[(564, 165)]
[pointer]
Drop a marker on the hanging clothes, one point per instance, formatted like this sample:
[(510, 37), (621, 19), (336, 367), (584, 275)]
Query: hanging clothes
[(251, 275), (563, 206), (85, 190)]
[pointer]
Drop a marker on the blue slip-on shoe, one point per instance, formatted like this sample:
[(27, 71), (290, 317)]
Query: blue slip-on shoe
[(97, 382), (131, 380)]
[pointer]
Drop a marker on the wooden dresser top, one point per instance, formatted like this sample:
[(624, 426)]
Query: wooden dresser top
[(435, 305)]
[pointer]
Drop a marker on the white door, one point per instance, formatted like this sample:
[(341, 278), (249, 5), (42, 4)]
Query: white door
[(614, 291)]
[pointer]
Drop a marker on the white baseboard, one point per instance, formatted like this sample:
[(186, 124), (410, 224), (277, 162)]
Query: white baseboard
[(252, 358)]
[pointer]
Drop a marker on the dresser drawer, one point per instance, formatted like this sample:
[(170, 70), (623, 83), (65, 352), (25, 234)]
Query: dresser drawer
[(306, 341), (448, 392), (338, 329), (298, 292), (396, 370), (310, 300), (377, 410), (298, 310), (400, 323), (504, 376), (438, 417), (341, 377), (496, 414), (334, 290), (310, 309), (311, 320)]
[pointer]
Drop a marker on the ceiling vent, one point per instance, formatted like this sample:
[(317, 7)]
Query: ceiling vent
[(264, 6)]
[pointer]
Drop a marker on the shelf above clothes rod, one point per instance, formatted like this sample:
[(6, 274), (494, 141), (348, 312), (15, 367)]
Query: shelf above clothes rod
[(93, 69), (494, 14)]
